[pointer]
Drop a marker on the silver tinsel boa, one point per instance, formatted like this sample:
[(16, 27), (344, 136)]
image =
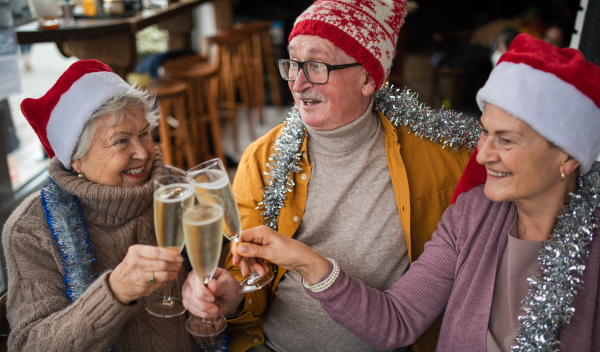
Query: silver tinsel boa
[(548, 305), (402, 108), (71, 236)]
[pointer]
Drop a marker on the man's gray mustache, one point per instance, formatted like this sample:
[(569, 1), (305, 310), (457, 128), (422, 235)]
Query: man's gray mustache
[(310, 96)]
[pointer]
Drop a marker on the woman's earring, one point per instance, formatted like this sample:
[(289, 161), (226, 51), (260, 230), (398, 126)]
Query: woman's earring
[(81, 175), (562, 176)]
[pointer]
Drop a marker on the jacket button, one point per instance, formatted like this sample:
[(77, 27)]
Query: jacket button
[(296, 219), (303, 176)]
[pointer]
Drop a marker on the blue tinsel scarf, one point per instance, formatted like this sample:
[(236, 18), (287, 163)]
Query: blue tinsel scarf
[(71, 236)]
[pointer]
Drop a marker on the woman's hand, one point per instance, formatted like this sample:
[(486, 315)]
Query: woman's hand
[(142, 271), (266, 243), (221, 296)]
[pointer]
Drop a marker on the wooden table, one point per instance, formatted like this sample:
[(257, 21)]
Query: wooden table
[(112, 40)]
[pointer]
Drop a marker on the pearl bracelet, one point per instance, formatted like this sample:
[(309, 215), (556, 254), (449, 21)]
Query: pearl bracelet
[(325, 284)]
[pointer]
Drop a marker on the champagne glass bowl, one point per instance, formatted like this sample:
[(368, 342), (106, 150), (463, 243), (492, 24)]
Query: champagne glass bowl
[(172, 195), (211, 177)]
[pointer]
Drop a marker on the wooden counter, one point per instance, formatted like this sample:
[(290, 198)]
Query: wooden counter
[(112, 40)]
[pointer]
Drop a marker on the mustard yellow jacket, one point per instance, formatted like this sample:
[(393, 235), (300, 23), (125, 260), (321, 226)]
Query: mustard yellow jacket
[(423, 176)]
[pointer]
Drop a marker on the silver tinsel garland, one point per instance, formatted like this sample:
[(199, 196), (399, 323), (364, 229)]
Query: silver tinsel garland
[(548, 305), (448, 127), (402, 108), (72, 238), (283, 162)]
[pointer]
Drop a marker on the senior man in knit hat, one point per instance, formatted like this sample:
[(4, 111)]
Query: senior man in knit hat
[(339, 175)]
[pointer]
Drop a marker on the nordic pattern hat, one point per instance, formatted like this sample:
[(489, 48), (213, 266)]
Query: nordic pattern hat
[(367, 30)]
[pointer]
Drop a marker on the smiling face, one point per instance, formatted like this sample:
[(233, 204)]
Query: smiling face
[(522, 166), (340, 101), (119, 155)]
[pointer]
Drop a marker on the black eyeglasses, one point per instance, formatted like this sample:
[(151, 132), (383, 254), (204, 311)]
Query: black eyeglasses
[(315, 72)]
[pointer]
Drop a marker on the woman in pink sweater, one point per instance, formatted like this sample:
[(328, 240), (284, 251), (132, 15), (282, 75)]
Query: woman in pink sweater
[(515, 262)]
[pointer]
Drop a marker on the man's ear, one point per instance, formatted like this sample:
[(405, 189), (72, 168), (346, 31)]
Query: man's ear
[(368, 86)]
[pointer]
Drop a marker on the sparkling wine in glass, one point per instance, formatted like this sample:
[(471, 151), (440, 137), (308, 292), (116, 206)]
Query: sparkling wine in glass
[(203, 229), (211, 177), (172, 195)]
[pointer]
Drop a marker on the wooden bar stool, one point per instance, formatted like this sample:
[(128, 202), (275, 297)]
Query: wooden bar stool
[(253, 63), (232, 51), (175, 142), (263, 51), (202, 80)]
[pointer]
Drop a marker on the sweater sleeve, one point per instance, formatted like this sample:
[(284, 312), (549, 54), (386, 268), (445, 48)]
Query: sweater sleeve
[(40, 316), (396, 317)]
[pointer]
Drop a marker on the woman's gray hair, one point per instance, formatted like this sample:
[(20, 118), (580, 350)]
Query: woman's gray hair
[(118, 108)]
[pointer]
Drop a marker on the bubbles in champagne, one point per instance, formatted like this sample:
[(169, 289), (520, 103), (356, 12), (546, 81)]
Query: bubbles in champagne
[(203, 228), (169, 203), (216, 182)]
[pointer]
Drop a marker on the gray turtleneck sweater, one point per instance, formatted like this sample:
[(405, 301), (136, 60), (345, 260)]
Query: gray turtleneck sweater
[(351, 216), (41, 317)]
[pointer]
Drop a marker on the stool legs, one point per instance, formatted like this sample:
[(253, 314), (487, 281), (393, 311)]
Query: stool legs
[(201, 101), (244, 77), (257, 77), (164, 132), (270, 64), (184, 136), (175, 141), (210, 87)]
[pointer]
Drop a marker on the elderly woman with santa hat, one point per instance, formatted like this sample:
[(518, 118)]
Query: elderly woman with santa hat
[(514, 262), (81, 254)]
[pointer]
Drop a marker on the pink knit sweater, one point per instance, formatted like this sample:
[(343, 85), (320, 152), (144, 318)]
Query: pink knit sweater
[(456, 273)]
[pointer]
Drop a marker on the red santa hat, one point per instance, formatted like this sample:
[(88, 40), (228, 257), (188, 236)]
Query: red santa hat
[(59, 116), (367, 30), (553, 90)]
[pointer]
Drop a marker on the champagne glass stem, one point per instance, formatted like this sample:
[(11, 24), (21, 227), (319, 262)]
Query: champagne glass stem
[(167, 296), (206, 320), (252, 275), (206, 327), (254, 281)]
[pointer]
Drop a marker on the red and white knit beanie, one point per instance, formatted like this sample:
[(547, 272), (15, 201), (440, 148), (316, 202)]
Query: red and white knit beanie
[(59, 116), (367, 30), (553, 90)]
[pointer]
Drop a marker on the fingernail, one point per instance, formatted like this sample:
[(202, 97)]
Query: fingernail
[(242, 248), (180, 259)]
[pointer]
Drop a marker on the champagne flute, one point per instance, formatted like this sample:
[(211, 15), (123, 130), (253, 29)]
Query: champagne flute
[(203, 229), (211, 177), (172, 195)]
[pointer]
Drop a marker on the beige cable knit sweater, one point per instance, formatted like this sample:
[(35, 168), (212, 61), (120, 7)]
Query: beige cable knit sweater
[(41, 317)]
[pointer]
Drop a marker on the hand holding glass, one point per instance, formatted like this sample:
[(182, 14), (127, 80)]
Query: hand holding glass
[(172, 195), (203, 229), (211, 177)]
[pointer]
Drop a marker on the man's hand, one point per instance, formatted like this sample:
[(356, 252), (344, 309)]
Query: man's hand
[(221, 296)]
